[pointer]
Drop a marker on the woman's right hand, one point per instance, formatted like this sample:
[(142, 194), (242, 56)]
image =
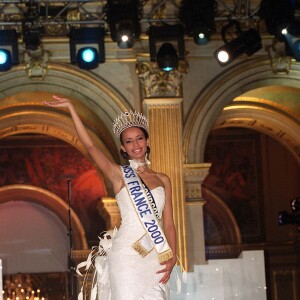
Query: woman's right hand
[(60, 102)]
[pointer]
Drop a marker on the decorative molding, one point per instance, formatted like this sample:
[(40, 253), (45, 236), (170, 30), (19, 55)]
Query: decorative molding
[(156, 83), (36, 62), (194, 175), (280, 62)]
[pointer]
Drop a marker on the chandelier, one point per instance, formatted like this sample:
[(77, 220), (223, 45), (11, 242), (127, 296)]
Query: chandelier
[(20, 287)]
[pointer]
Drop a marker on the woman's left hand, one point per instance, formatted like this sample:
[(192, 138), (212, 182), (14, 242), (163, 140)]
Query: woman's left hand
[(167, 270)]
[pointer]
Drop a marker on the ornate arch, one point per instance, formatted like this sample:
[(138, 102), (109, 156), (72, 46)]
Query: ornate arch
[(280, 126), (223, 217), (233, 82), (22, 112), (50, 201), (96, 101)]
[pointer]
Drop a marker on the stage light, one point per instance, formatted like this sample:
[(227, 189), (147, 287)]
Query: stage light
[(201, 35), (32, 37), (125, 36), (88, 55), (123, 18), (292, 39), (284, 31), (168, 56), (295, 204), (296, 50), (87, 47), (198, 19), (9, 54), (247, 42), (277, 14), (285, 217), (5, 59)]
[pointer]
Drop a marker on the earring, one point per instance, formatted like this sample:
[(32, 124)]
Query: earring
[(147, 161)]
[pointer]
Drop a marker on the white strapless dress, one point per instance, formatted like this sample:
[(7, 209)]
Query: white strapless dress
[(133, 277)]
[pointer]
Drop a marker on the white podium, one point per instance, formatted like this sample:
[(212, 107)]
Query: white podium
[(242, 278)]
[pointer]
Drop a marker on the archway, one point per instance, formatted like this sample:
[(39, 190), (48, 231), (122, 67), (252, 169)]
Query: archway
[(50, 201), (231, 84)]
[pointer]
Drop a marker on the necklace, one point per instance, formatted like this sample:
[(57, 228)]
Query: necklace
[(139, 166)]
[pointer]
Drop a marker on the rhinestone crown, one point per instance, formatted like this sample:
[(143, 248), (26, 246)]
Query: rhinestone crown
[(129, 119)]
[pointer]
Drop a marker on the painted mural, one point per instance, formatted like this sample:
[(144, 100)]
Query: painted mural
[(46, 162), (236, 176)]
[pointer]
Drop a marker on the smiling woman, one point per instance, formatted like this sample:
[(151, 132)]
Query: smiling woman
[(143, 251)]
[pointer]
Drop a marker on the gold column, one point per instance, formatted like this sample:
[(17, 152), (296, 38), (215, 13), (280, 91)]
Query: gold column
[(165, 120), (109, 210), (194, 175)]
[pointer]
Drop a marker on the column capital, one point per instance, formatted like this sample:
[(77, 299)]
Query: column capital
[(194, 175), (157, 83)]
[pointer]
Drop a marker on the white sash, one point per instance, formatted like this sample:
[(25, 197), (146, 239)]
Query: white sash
[(154, 236)]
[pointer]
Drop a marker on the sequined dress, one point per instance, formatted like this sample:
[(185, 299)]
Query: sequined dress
[(133, 277)]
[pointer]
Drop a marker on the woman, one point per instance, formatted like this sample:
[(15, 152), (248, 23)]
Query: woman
[(143, 252)]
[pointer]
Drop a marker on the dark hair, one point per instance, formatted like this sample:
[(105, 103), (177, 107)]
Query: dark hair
[(125, 154)]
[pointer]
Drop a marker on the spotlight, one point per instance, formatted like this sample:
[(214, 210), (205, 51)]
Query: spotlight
[(296, 50), (9, 54), (124, 21), (87, 47), (31, 37), (167, 57), (5, 60), (292, 39), (247, 42), (285, 218), (198, 19), (293, 218), (277, 14), (125, 36), (295, 204), (88, 56), (201, 35)]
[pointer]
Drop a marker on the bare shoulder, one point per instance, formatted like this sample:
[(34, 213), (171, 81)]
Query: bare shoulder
[(164, 178)]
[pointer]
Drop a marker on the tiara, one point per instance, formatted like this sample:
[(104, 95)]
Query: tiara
[(129, 119)]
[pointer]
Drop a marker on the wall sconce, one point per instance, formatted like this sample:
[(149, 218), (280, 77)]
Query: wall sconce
[(87, 47), (9, 54), (124, 22), (167, 57), (247, 42)]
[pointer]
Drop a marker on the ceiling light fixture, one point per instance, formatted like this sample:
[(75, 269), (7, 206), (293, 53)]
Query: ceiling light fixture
[(170, 41), (247, 42), (87, 47)]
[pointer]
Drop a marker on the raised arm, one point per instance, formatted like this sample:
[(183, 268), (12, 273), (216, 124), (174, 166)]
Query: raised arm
[(109, 169)]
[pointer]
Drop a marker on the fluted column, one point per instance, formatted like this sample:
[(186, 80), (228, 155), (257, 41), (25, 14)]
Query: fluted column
[(109, 210), (194, 175), (165, 120)]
